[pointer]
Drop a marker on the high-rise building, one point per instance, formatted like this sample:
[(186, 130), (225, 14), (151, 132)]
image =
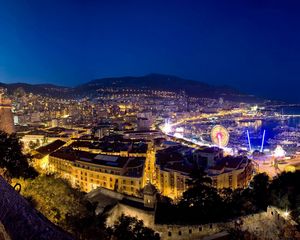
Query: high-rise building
[(6, 116), (144, 121)]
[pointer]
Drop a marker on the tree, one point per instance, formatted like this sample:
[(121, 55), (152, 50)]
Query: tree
[(238, 234), (129, 228), (38, 143), (198, 177), (285, 193), (260, 191), (64, 206), (55, 198), (33, 145), (229, 202), (201, 202), (242, 203), (12, 158), (88, 226)]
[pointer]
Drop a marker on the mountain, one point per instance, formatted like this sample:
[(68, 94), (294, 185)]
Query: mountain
[(49, 90), (167, 83), (148, 82)]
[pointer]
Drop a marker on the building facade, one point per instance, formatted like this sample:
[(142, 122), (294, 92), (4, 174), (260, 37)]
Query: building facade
[(89, 171)]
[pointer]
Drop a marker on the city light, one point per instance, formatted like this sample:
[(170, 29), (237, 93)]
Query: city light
[(279, 152), (178, 135), (263, 141), (179, 129), (219, 136), (249, 142), (286, 214), (167, 128), (103, 148)]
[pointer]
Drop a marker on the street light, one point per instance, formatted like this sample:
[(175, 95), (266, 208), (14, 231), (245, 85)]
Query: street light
[(286, 214)]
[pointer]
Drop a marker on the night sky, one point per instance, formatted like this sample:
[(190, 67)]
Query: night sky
[(252, 45)]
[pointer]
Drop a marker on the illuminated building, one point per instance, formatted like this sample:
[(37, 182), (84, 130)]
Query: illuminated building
[(41, 155), (172, 171), (231, 172), (174, 166), (35, 117), (149, 193), (103, 130), (42, 137), (6, 116), (148, 135), (54, 123), (279, 152), (143, 124), (171, 179), (115, 163), (89, 171), (114, 145), (207, 156)]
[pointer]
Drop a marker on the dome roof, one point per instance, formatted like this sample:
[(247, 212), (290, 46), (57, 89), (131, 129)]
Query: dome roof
[(149, 189)]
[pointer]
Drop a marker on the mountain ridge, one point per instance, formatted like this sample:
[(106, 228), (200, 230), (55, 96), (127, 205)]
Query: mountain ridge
[(151, 81), (168, 83)]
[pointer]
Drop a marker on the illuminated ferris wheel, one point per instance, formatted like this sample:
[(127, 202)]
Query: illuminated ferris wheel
[(219, 136)]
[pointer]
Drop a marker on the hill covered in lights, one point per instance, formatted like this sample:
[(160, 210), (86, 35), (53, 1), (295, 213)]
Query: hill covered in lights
[(148, 82)]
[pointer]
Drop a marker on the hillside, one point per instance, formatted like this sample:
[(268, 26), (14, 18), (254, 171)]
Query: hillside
[(49, 90), (147, 82), (168, 83)]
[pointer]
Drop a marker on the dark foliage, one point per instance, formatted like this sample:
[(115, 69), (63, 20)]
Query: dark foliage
[(202, 203), (88, 226), (238, 234), (128, 228), (64, 206), (12, 159), (285, 193)]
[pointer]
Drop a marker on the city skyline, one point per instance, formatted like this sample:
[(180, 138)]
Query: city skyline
[(153, 120), (250, 46)]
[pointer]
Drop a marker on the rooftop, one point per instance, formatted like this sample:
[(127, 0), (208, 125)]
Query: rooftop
[(209, 150), (51, 147), (179, 167), (70, 154), (112, 146), (229, 163)]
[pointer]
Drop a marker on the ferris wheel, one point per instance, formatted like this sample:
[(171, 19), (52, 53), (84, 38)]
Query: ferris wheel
[(219, 136)]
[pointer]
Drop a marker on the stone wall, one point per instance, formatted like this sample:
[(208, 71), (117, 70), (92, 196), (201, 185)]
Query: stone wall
[(264, 225), (119, 209), (165, 231), (181, 232), (169, 232), (3, 233), (106, 192)]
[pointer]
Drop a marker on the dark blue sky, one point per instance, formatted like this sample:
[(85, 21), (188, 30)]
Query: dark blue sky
[(253, 45)]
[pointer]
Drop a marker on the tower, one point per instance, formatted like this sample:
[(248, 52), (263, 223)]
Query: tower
[(149, 193), (6, 116)]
